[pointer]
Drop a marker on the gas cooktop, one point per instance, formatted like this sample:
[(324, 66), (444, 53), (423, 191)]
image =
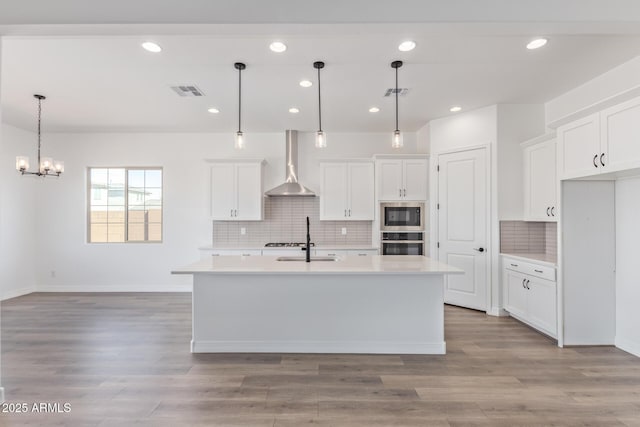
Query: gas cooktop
[(287, 245)]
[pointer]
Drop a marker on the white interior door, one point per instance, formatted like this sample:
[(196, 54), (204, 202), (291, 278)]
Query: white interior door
[(462, 226)]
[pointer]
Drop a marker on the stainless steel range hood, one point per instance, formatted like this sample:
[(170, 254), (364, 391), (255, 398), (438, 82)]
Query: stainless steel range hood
[(291, 186)]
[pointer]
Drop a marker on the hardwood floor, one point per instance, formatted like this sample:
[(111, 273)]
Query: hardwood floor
[(124, 360)]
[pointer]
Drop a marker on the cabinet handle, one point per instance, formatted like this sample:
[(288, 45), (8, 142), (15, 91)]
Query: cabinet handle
[(548, 211), (552, 208), (331, 254), (235, 212), (400, 192), (362, 254), (601, 159), (594, 160), (514, 265), (231, 212), (345, 212), (349, 212), (246, 254), (215, 254), (524, 280), (538, 271), (405, 192), (528, 281)]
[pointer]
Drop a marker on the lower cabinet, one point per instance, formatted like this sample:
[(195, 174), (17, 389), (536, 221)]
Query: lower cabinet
[(206, 253), (530, 294), (343, 252)]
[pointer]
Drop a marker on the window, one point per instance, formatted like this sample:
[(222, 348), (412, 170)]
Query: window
[(125, 205)]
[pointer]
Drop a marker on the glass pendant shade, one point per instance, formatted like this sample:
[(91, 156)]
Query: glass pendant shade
[(239, 145), (58, 166), (22, 163), (46, 163), (397, 140), (321, 139)]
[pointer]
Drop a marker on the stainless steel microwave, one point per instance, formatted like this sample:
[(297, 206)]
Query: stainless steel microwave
[(402, 216)]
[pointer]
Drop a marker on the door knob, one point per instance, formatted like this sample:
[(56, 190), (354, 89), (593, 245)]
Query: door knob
[(479, 249)]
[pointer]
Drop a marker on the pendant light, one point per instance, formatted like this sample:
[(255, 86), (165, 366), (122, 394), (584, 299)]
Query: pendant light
[(321, 138), (397, 142), (46, 166), (239, 144)]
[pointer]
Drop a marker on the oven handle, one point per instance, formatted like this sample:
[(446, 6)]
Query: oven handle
[(402, 241)]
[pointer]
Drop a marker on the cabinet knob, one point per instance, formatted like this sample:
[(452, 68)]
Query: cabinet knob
[(594, 160)]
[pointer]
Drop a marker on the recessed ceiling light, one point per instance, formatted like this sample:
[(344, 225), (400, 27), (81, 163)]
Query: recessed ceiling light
[(537, 43), (306, 83), (455, 109), (213, 110), (278, 47), (406, 46), (294, 110), (152, 47), (374, 109)]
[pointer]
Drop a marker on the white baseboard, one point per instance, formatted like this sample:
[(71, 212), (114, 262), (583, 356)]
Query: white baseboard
[(317, 347), (13, 293), (116, 288), (628, 346), (498, 312)]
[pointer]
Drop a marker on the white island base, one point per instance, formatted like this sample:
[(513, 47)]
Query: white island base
[(355, 305)]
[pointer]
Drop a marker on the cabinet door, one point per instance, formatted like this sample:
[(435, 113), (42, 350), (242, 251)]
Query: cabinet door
[(542, 305), (361, 192), (333, 191), (223, 193), (540, 182), (389, 177), (414, 179), (620, 127), (249, 192), (579, 148), (516, 293)]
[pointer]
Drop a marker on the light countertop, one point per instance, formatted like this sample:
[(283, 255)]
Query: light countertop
[(538, 258), (346, 265), (257, 247)]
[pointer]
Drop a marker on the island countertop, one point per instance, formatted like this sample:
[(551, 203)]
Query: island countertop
[(376, 264)]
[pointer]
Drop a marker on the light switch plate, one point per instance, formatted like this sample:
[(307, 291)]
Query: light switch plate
[(243, 231), (344, 231)]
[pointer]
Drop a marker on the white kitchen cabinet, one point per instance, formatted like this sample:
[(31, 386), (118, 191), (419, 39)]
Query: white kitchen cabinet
[(236, 190), (206, 253), (540, 185), (620, 136), (402, 179), (530, 294), (347, 191), (579, 149)]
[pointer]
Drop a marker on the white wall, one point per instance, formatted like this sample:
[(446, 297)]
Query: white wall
[(627, 277), (17, 214), (614, 82), (130, 267)]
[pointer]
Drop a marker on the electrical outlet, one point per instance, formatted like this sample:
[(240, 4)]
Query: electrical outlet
[(53, 274), (344, 231), (243, 231)]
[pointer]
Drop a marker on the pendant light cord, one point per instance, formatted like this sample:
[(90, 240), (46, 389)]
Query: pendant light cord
[(319, 104), (39, 124), (239, 99), (396, 99)]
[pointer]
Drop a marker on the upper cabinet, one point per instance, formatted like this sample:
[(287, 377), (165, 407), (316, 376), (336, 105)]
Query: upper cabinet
[(607, 141), (236, 190), (540, 185), (347, 191), (620, 136), (402, 179)]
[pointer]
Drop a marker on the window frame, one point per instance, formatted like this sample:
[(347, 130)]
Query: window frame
[(126, 204)]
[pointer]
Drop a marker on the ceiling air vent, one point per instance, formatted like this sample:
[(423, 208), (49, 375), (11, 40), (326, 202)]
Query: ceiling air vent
[(187, 90), (402, 91)]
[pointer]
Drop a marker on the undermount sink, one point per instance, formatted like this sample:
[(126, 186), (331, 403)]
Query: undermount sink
[(301, 258)]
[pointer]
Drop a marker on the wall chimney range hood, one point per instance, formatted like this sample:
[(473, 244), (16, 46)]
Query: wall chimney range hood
[(291, 186)]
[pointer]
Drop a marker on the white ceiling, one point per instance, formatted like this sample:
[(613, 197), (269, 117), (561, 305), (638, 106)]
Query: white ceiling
[(109, 83)]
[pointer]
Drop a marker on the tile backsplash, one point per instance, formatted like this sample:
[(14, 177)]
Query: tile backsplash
[(528, 237), (285, 221)]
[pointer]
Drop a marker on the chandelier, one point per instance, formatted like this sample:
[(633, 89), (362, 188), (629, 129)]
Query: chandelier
[(46, 165)]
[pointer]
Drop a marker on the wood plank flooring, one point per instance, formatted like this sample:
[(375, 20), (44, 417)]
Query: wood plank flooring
[(124, 360)]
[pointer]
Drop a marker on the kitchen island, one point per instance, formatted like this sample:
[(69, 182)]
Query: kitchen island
[(373, 304)]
